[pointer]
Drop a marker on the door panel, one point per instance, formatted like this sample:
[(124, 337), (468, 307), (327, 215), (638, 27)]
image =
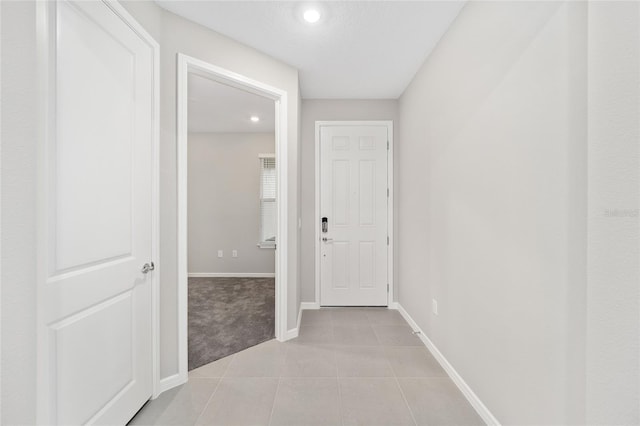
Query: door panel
[(114, 342), (94, 302), (92, 66), (341, 184), (366, 181), (353, 197), (340, 256), (367, 267)]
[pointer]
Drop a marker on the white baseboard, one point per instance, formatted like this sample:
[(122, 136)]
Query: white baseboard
[(291, 334), (170, 382), (393, 305), (299, 316), (232, 274), (473, 399)]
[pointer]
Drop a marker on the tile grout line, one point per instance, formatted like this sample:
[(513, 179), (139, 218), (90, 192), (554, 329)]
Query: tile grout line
[(376, 335), (275, 397), (404, 398), (222, 376), (339, 400), (226, 369), (337, 377), (395, 376), (386, 358), (208, 401), (287, 348)]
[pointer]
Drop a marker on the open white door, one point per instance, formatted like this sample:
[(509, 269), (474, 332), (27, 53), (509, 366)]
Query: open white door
[(353, 211), (95, 353)]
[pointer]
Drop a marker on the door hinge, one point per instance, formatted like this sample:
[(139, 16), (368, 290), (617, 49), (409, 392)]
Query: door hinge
[(387, 192), (387, 240), (387, 145), (387, 287)]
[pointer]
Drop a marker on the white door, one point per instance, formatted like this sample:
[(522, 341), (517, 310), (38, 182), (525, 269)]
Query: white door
[(353, 203), (94, 322)]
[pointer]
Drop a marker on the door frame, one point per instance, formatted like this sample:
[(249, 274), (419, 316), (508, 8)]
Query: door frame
[(46, 66), (186, 65), (390, 203)]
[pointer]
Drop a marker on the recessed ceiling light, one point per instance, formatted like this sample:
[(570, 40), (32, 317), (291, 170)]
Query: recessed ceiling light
[(255, 118), (311, 16)]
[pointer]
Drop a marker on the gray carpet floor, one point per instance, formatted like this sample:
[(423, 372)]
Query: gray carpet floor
[(227, 315)]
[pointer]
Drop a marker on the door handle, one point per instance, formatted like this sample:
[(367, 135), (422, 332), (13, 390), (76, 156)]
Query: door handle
[(148, 267), (327, 240)]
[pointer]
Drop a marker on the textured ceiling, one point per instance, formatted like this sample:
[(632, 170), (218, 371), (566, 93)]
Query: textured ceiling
[(358, 50), (217, 108)]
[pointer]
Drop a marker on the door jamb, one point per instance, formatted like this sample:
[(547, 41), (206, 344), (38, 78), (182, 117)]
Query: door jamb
[(187, 64), (390, 203)]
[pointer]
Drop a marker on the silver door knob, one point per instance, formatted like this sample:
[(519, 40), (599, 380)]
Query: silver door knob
[(148, 267), (327, 240)]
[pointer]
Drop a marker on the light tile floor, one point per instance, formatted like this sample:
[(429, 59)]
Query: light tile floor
[(349, 366)]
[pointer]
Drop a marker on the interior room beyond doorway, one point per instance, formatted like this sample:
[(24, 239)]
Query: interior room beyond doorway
[(231, 220)]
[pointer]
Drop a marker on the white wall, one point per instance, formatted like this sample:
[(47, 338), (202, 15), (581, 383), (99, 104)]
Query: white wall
[(178, 35), (492, 194), (613, 321), (320, 110), (224, 202)]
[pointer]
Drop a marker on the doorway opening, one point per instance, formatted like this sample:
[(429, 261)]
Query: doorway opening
[(231, 214)]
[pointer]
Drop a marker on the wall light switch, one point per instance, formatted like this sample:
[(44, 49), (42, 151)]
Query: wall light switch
[(220, 253), (434, 305), (234, 253)]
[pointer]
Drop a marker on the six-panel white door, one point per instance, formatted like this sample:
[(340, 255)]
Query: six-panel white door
[(94, 324), (353, 199)]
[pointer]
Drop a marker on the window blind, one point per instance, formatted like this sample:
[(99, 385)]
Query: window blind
[(267, 200)]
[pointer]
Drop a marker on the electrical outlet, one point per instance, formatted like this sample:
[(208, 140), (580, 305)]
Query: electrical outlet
[(234, 253), (434, 306), (220, 253)]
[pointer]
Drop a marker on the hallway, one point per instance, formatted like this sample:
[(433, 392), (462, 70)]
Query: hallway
[(348, 366), (502, 230)]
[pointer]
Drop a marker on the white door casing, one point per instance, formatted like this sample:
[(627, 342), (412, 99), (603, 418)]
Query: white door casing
[(353, 197), (187, 64), (97, 215)]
